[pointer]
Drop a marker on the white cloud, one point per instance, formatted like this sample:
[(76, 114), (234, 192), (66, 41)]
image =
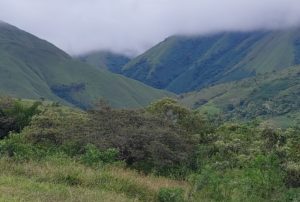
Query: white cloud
[(132, 26)]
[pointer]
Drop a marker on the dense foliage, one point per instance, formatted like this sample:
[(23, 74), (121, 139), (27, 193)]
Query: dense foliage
[(14, 116), (219, 161)]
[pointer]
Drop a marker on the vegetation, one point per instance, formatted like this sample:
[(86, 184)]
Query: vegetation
[(273, 98), (165, 152)]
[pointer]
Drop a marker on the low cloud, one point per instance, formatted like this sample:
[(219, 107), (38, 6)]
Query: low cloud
[(132, 26)]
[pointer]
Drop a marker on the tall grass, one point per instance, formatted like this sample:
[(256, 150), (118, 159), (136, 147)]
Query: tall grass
[(62, 179)]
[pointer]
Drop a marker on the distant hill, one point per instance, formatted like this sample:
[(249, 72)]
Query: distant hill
[(33, 68), (182, 64), (274, 97), (105, 60)]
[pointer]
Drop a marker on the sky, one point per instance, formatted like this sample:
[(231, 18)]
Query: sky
[(132, 26)]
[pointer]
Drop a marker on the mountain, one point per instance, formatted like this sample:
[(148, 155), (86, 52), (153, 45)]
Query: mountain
[(33, 68), (274, 97), (105, 60), (186, 63)]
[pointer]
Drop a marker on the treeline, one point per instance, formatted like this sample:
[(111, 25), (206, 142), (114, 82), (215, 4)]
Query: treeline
[(221, 161)]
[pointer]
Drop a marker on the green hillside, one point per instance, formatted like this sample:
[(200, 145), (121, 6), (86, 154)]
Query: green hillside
[(105, 60), (33, 68), (182, 64), (274, 97)]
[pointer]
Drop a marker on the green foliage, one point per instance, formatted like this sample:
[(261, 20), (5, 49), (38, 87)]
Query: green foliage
[(271, 97), (92, 155), (144, 141), (15, 115), (16, 147), (263, 178), (230, 162), (190, 121), (57, 127), (170, 195)]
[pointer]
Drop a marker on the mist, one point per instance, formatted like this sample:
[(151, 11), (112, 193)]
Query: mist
[(132, 26)]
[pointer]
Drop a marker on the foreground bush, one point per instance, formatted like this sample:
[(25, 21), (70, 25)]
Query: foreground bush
[(143, 140), (15, 115), (170, 195)]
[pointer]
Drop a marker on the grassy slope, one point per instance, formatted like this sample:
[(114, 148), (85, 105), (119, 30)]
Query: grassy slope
[(270, 96), (62, 179), (31, 67), (105, 60), (182, 64)]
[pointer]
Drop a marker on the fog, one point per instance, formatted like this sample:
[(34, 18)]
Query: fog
[(132, 26)]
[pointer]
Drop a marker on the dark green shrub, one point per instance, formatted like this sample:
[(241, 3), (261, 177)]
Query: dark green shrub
[(191, 121), (93, 156), (293, 195), (144, 141), (292, 178), (15, 146), (15, 115), (171, 195), (57, 127), (263, 177)]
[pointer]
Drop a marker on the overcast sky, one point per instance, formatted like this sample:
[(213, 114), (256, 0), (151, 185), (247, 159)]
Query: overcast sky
[(132, 26)]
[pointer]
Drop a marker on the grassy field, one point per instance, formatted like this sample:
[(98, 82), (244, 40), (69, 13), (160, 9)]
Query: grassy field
[(62, 179)]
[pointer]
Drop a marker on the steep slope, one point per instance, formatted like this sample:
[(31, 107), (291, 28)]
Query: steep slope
[(33, 68), (182, 64), (269, 96), (105, 60)]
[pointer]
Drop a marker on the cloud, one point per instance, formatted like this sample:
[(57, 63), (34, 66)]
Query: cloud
[(132, 26)]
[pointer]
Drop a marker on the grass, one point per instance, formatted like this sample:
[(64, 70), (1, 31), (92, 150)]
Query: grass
[(62, 179)]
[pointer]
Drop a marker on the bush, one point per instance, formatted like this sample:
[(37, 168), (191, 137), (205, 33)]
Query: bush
[(292, 178), (144, 141), (263, 178), (14, 115), (171, 195), (191, 121), (59, 127), (14, 146), (93, 156)]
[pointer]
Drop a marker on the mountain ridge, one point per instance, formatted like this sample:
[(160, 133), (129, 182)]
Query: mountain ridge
[(33, 68), (187, 63)]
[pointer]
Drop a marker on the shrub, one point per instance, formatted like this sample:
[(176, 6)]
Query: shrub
[(171, 195), (263, 177), (57, 127), (144, 141), (93, 156), (14, 146), (14, 115), (191, 122), (292, 178)]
